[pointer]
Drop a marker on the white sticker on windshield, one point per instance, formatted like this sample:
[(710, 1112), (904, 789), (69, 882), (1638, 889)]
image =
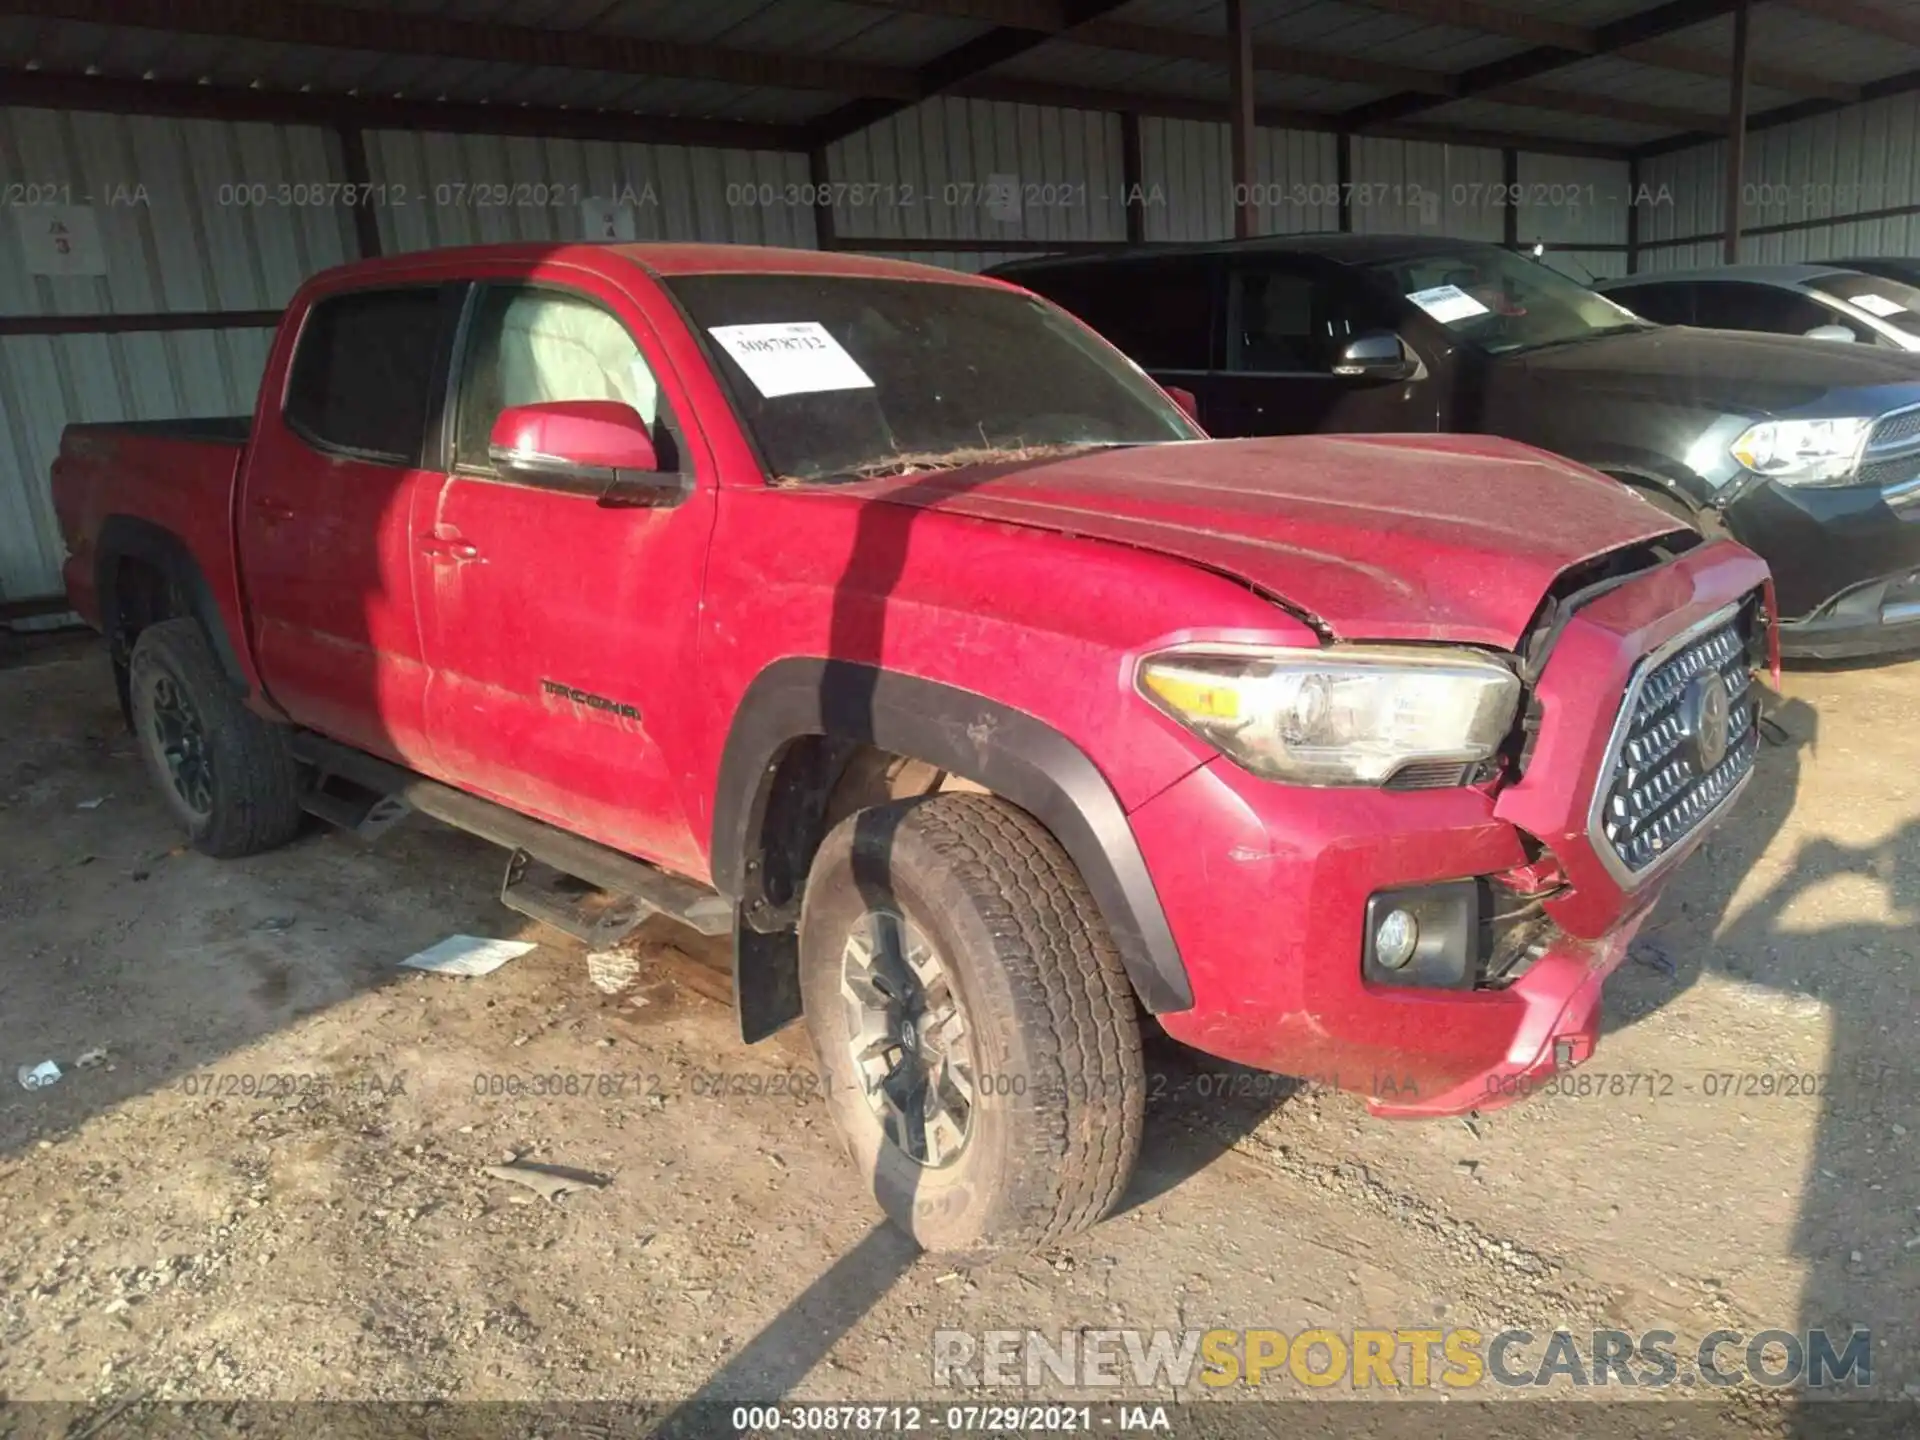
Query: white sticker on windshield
[(1878, 305), (1447, 303), (796, 357)]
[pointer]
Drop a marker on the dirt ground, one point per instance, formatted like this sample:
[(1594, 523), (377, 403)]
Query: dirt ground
[(165, 1233)]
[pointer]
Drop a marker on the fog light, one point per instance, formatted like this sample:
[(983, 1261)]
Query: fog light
[(1396, 939)]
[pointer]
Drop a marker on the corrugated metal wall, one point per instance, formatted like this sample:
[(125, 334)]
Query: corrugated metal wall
[(1418, 186), (1186, 175), (980, 170), (190, 219), (194, 225), (1806, 178), (970, 262), (456, 186), (926, 174), (176, 234), (1570, 203), (1680, 196), (171, 200)]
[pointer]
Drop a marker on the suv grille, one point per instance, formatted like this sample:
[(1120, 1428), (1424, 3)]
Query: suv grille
[(1893, 450), (1901, 425), (1678, 752)]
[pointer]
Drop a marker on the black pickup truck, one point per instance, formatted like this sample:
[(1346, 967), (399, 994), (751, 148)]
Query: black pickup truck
[(1808, 452)]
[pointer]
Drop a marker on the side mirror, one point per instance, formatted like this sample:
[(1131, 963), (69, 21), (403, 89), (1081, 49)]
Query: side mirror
[(1378, 355), (593, 447), (1189, 407), (1830, 332)]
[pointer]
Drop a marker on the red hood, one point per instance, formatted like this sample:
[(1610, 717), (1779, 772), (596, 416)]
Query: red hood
[(1379, 537)]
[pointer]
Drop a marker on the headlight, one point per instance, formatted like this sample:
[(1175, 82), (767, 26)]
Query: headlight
[(1804, 452), (1352, 715)]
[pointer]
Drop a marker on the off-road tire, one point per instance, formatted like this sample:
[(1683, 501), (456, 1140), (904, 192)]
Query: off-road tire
[(1051, 1016), (255, 780)]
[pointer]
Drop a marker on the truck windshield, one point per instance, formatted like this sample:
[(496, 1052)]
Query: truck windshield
[(1886, 300), (840, 377), (1503, 302)]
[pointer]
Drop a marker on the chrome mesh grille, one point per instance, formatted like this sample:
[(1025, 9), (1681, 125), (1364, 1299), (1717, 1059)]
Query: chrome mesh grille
[(1890, 472), (1656, 791), (1894, 429), (1893, 450)]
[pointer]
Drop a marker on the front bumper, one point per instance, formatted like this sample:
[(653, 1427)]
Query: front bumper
[(1842, 560), (1881, 617), (1266, 885)]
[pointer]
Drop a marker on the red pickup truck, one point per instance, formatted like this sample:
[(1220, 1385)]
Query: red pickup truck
[(892, 621)]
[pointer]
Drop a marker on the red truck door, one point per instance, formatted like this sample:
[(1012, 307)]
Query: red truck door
[(560, 631), (325, 517)]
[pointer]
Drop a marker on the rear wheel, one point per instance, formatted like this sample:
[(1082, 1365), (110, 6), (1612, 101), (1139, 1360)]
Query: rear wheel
[(975, 1028), (227, 774)]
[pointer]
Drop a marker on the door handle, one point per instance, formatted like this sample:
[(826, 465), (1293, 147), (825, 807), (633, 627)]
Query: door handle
[(272, 510), (449, 547)]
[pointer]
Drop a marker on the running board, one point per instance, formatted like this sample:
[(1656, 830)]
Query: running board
[(602, 918), (397, 791)]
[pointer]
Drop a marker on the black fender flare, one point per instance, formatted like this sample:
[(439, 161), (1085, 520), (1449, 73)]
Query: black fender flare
[(1013, 754), (124, 537), (1651, 472)]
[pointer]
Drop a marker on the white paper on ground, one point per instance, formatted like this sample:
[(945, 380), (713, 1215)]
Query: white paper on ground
[(1878, 305), (1447, 303), (796, 357), (467, 955)]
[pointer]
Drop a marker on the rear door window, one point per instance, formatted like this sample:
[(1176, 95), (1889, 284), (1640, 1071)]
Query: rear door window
[(1727, 305), (1295, 319), (363, 373), (1159, 312), (1669, 304)]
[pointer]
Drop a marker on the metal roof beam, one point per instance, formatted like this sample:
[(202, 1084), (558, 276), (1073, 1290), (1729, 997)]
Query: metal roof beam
[(393, 32), (877, 91), (963, 62), (1544, 58), (286, 107), (1605, 107), (1904, 83), (1660, 54), (1274, 59), (1279, 59), (1854, 15), (1020, 91)]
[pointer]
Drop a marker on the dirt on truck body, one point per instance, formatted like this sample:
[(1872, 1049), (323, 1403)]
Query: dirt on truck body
[(1300, 747)]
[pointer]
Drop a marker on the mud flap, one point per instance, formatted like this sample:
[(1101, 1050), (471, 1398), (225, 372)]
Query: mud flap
[(766, 979)]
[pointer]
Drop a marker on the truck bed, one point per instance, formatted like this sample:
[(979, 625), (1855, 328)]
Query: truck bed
[(171, 478)]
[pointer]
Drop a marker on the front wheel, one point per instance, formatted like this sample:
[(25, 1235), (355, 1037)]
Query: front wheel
[(228, 775), (975, 1028)]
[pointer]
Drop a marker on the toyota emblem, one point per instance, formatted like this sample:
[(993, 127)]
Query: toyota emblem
[(1705, 716)]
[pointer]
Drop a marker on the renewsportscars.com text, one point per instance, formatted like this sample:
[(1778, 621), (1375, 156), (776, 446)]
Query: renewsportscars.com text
[(1417, 1358)]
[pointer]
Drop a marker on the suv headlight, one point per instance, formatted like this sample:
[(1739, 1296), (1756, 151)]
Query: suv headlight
[(1351, 715), (1805, 452)]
